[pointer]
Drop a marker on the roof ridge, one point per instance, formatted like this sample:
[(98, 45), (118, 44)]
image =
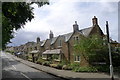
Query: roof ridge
[(86, 28)]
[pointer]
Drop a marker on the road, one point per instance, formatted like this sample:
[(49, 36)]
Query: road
[(14, 70)]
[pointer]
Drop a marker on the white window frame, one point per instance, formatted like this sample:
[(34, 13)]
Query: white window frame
[(77, 58), (60, 43)]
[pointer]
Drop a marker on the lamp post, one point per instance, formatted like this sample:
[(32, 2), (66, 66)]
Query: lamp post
[(109, 47)]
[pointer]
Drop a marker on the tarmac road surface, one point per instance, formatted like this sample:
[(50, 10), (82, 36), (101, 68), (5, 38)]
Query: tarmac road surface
[(14, 70)]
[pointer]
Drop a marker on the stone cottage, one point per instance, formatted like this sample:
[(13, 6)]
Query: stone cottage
[(62, 46)]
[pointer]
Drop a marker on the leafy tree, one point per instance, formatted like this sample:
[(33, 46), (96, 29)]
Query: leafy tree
[(0, 27), (14, 16), (92, 48), (115, 56)]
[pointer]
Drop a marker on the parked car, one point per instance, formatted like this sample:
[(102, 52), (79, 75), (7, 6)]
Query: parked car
[(18, 54)]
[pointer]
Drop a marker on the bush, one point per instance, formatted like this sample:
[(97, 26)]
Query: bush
[(116, 59), (40, 61), (85, 69), (46, 63), (29, 57), (30, 60), (102, 68), (12, 52), (59, 66), (66, 67), (117, 69), (53, 65), (74, 65)]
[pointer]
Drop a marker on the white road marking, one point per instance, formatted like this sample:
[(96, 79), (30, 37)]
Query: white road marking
[(25, 76), (14, 67)]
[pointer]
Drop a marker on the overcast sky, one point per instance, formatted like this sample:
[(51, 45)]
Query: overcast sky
[(60, 16)]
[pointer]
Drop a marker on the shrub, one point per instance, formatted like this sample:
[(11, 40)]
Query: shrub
[(64, 62), (30, 60), (59, 66), (29, 57), (40, 61), (53, 65), (117, 69), (116, 59), (85, 69), (74, 65), (102, 68), (46, 63), (66, 67), (12, 52)]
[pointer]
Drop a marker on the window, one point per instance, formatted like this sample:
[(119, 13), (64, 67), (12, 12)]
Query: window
[(60, 43), (77, 58), (44, 56), (56, 57), (76, 39)]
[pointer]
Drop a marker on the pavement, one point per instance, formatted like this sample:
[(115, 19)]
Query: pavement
[(67, 74)]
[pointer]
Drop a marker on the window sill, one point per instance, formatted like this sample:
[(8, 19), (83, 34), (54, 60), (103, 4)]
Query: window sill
[(44, 58), (59, 46), (76, 61), (56, 60)]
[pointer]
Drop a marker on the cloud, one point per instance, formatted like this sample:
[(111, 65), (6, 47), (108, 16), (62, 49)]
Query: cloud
[(60, 15), (22, 37)]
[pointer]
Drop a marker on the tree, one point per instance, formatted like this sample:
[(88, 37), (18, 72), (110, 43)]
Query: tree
[(14, 17), (92, 48)]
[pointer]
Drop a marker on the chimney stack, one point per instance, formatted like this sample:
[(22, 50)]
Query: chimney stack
[(51, 35), (94, 21), (38, 40), (75, 27)]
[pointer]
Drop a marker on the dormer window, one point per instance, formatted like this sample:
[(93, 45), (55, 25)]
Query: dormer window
[(60, 43)]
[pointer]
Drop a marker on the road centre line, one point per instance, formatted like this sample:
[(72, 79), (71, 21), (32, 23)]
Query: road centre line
[(25, 76)]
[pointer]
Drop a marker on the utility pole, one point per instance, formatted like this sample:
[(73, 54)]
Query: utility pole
[(109, 47)]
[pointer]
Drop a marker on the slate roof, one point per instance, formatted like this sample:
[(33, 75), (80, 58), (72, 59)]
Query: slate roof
[(84, 32), (67, 36), (53, 40), (55, 51), (43, 42)]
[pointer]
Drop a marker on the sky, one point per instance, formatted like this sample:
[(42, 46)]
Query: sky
[(60, 16)]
